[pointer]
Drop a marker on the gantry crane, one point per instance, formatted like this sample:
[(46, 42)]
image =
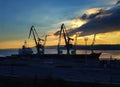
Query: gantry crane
[(39, 46), (67, 39)]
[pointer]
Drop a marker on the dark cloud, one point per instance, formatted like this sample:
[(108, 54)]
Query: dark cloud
[(105, 20), (58, 32), (90, 17), (101, 22), (118, 2)]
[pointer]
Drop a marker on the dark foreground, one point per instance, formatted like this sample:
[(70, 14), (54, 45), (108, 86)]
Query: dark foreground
[(48, 82)]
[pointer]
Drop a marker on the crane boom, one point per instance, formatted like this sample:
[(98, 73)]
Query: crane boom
[(64, 33), (32, 31)]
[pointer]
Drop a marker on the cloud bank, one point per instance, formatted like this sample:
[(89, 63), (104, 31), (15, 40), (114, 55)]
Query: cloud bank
[(100, 21)]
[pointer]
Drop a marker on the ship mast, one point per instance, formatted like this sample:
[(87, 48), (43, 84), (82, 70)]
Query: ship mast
[(75, 43)]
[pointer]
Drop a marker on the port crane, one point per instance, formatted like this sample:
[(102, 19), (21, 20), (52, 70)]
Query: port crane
[(67, 39), (38, 41)]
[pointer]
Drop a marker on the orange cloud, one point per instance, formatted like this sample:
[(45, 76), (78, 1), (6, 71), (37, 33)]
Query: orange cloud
[(92, 11), (75, 23)]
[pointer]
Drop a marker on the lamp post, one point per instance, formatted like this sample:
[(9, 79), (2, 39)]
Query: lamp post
[(75, 44), (86, 39)]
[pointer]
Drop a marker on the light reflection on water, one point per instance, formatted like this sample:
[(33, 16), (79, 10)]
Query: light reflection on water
[(115, 54)]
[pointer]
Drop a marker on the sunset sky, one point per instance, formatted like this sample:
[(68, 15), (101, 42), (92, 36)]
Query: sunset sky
[(101, 17)]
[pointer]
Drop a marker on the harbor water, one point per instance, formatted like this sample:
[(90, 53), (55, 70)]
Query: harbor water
[(67, 70)]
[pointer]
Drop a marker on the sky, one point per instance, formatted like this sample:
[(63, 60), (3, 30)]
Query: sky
[(17, 16)]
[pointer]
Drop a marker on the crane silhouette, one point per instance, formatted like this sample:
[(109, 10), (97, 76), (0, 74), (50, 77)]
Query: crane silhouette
[(39, 45), (67, 39)]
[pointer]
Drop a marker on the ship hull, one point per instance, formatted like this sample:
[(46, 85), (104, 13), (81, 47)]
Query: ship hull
[(83, 57), (64, 56)]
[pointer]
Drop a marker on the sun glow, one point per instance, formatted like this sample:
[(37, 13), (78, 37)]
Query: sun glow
[(92, 11), (77, 23), (103, 38)]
